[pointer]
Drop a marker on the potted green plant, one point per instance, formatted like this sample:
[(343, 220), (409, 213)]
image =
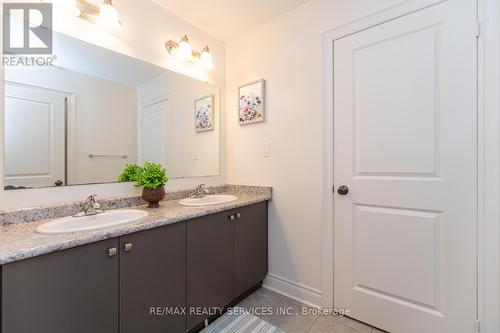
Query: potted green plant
[(151, 177), (129, 173)]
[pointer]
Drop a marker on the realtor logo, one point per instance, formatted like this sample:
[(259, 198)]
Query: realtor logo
[(27, 28)]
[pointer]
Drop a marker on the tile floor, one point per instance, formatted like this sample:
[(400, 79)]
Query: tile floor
[(311, 323)]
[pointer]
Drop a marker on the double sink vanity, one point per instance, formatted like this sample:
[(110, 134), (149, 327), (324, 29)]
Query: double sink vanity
[(113, 265), (83, 221), (132, 269)]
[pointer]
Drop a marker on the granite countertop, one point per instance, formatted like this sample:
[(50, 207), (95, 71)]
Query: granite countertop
[(20, 241)]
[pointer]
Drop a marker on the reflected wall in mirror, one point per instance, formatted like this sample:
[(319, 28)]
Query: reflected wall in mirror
[(83, 119)]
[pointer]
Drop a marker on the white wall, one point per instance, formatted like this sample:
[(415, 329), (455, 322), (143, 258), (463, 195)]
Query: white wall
[(99, 103), (191, 153), (146, 28), (287, 52)]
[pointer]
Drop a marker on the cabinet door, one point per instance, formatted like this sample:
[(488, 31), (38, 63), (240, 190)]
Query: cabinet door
[(73, 291), (209, 265), (250, 247), (153, 280)]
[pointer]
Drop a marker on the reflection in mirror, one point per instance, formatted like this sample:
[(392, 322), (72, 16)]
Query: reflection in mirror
[(83, 119)]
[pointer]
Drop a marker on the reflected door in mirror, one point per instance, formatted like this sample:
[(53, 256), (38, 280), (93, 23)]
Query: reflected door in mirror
[(153, 131), (34, 137)]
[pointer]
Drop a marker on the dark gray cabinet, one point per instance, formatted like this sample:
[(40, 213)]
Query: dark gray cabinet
[(69, 291), (250, 247), (153, 280), (227, 254), (141, 282), (209, 265)]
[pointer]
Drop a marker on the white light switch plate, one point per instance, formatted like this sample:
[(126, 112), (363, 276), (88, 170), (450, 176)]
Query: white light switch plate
[(267, 150)]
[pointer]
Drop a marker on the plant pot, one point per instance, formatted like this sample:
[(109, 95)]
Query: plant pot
[(153, 196)]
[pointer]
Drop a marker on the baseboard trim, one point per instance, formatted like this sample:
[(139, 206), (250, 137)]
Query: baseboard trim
[(294, 290)]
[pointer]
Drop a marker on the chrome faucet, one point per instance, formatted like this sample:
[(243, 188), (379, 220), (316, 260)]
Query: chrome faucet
[(200, 191), (89, 207)]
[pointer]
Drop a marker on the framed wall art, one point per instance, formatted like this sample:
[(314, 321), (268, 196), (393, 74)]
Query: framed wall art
[(252, 102), (204, 113)]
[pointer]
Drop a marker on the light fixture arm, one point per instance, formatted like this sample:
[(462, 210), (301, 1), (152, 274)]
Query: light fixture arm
[(203, 58), (172, 47)]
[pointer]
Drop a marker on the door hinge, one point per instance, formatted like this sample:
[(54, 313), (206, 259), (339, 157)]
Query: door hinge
[(478, 326), (478, 29)]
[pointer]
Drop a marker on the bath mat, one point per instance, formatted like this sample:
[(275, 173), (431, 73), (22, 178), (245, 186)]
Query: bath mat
[(240, 321)]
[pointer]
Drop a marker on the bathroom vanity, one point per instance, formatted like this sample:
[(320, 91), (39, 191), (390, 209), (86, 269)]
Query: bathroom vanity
[(119, 272), (168, 272)]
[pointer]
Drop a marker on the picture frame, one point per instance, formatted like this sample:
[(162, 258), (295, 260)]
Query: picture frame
[(204, 114), (252, 103)]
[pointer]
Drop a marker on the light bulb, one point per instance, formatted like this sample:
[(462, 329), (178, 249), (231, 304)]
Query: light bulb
[(185, 50), (73, 8), (108, 16), (68, 6), (206, 59)]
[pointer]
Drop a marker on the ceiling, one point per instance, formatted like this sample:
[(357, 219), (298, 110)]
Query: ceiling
[(225, 19)]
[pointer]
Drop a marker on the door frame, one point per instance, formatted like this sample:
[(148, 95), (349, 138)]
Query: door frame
[(488, 270), (489, 166)]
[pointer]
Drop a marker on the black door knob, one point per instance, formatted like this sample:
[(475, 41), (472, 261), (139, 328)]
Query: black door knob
[(343, 190), (59, 183)]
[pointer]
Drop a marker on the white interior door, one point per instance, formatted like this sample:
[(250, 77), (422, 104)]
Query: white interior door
[(405, 144), (154, 133), (34, 137)]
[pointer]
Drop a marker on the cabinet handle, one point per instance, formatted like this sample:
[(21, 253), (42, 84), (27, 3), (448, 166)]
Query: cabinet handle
[(238, 215), (112, 252), (127, 247), (231, 217)]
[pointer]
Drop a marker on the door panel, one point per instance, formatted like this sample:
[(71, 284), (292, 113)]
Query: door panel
[(250, 247), (407, 111), (153, 274), (73, 291), (34, 137), (376, 257), (405, 126), (209, 265), (154, 125)]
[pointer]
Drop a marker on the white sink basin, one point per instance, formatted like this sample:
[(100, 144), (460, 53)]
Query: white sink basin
[(108, 219), (209, 200)]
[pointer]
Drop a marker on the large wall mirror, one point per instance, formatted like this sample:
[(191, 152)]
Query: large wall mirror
[(83, 119)]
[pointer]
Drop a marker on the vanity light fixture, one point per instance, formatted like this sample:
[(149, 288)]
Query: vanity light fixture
[(105, 14), (184, 52)]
